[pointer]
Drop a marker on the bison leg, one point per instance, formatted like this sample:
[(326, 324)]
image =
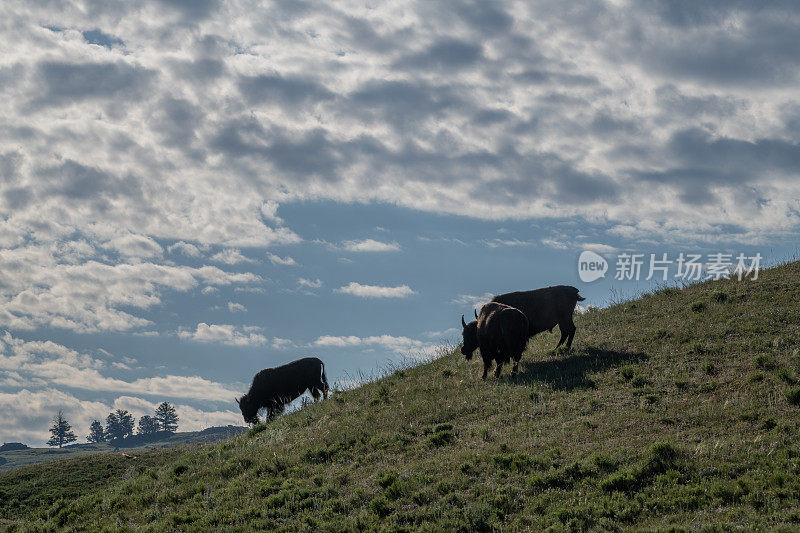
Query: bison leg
[(567, 328), (571, 335), (324, 382), (486, 365), (321, 388), (315, 393), (563, 337)]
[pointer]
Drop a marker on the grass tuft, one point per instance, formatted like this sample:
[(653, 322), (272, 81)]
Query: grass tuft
[(793, 396), (720, 296)]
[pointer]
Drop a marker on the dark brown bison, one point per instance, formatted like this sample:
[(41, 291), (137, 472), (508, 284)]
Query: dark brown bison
[(545, 308), (273, 388), (501, 332)]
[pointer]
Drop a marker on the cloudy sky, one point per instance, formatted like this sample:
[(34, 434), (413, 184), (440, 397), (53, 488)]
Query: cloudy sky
[(192, 190)]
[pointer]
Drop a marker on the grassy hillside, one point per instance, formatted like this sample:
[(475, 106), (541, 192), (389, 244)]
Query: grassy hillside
[(677, 409), (30, 456)]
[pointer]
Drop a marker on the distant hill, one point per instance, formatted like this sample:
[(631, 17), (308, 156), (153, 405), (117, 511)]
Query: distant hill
[(14, 455), (11, 446), (677, 411)]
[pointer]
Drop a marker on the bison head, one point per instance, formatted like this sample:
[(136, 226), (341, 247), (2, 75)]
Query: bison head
[(470, 338), (249, 409)]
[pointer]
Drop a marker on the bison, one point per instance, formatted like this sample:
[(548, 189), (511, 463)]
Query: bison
[(501, 332), (545, 308), (273, 388)]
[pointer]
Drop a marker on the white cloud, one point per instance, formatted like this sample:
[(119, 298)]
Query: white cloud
[(370, 245), (216, 276), (449, 332), (476, 111), (476, 302), (566, 244), (496, 243), (553, 243), (11, 379), (234, 307), (17, 353), (308, 283), (404, 345), (38, 290), (231, 256), (602, 249), (278, 260), (146, 333), (339, 342), (279, 343), (131, 245), (269, 210), (185, 248), (54, 364), (251, 290), (224, 334), (375, 291)]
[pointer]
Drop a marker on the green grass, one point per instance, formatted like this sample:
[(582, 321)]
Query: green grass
[(666, 415), (31, 456)]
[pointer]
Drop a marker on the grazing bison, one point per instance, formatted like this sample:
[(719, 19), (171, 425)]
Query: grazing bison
[(273, 388), (501, 332), (545, 308)]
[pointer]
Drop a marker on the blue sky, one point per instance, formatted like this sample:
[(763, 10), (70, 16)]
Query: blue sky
[(193, 191)]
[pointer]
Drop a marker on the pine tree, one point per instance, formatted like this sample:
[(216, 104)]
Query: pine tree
[(119, 424), (112, 425), (61, 431), (167, 417), (96, 432), (147, 425)]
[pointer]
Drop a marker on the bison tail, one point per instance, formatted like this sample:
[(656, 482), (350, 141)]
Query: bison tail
[(324, 377)]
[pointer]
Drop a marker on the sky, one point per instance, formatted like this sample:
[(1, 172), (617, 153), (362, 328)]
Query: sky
[(193, 190)]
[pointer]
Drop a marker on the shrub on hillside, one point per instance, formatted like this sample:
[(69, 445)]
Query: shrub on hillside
[(662, 457), (764, 361), (627, 372), (793, 396)]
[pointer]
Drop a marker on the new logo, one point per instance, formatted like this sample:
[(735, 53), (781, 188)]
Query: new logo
[(591, 266)]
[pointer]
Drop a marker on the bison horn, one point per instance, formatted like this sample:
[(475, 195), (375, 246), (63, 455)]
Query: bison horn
[(237, 400), (464, 324), (476, 313)]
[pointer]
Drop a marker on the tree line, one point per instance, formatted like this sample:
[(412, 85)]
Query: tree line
[(119, 424)]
